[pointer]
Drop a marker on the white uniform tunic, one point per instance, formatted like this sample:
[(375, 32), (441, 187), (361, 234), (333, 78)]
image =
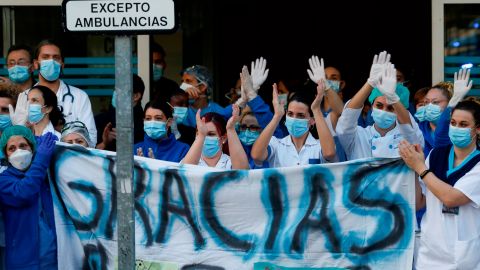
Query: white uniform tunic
[(223, 163), (450, 241), (282, 152), (360, 142)]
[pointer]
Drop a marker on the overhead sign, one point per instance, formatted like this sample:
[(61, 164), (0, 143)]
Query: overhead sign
[(119, 16)]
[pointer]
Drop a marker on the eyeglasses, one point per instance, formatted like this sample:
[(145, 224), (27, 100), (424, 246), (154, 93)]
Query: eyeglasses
[(73, 124), (251, 128), (21, 62)]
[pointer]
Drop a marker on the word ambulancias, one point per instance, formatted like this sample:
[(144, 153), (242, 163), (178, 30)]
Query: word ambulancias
[(121, 7)]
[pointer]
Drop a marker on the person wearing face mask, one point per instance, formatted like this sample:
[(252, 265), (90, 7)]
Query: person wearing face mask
[(419, 103), (179, 104), (392, 120), (298, 148), (198, 83), (105, 122), (162, 87), (208, 148), (76, 133), (73, 102), (6, 100), (26, 200), (19, 66), (43, 110), (159, 142), (449, 188), (439, 102)]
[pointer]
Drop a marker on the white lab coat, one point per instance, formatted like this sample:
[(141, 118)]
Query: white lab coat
[(79, 110), (451, 241), (360, 142)]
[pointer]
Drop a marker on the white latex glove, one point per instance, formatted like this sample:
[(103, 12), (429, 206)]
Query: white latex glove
[(378, 66), (388, 84), (248, 84), (18, 116), (461, 86), (259, 74), (174, 128), (317, 69), (242, 101)]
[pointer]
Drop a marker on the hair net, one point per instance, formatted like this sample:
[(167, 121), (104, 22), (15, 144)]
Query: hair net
[(17, 131), (78, 128)]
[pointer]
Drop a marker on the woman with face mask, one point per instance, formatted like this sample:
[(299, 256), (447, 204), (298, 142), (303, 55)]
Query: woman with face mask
[(212, 134), (76, 133), (298, 148), (43, 112), (449, 186), (392, 120), (439, 102), (26, 201), (159, 142)]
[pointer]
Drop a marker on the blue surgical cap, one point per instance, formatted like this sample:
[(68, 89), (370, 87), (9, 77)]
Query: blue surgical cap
[(402, 93)]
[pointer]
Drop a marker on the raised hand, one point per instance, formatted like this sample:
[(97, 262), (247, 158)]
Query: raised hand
[(201, 126), (234, 119), (259, 74), (278, 107), (461, 86), (321, 87), (379, 64), (388, 84), (317, 69)]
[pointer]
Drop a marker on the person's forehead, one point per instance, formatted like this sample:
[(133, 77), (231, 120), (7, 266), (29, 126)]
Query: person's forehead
[(72, 136), (296, 106), (211, 126), (462, 115), (18, 54), (434, 93), (332, 71), (50, 49), (4, 101), (34, 93), (249, 120), (17, 139), (153, 111)]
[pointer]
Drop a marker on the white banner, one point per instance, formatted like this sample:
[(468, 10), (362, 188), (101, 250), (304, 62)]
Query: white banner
[(353, 215)]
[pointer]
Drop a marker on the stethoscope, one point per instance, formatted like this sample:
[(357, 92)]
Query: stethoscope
[(72, 98)]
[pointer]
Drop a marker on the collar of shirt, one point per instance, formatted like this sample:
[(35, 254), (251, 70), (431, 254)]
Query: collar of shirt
[(309, 141)]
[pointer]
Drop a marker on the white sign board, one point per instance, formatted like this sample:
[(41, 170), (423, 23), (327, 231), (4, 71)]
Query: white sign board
[(119, 16)]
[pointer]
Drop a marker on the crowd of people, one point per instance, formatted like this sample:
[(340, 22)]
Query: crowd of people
[(437, 136)]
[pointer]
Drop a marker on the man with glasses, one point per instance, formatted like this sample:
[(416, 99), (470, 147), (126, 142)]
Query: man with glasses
[(19, 65)]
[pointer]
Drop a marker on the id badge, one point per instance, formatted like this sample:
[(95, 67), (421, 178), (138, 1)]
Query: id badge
[(450, 210)]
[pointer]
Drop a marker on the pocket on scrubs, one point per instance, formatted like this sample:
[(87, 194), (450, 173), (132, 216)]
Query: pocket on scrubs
[(466, 254)]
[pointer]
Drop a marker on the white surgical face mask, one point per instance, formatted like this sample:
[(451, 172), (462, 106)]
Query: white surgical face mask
[(20, 159)]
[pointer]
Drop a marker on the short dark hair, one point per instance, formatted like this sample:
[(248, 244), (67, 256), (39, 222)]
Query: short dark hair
[(304, 98), (158, 48), (20, 47), (138, 85), (159, 105), (471, 106), (47, 42)]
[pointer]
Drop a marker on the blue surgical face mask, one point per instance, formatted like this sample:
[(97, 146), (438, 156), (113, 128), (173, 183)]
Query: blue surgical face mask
[(35, 113), (18, 74), (248, 137), (432, 113), (50, 69), (460, 137), (383, 119), (420, 114), (114, 99), (334, 85), (5, 121), (155, 129), (180, 113), (157, 72), (296, 127), (211, 146)]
